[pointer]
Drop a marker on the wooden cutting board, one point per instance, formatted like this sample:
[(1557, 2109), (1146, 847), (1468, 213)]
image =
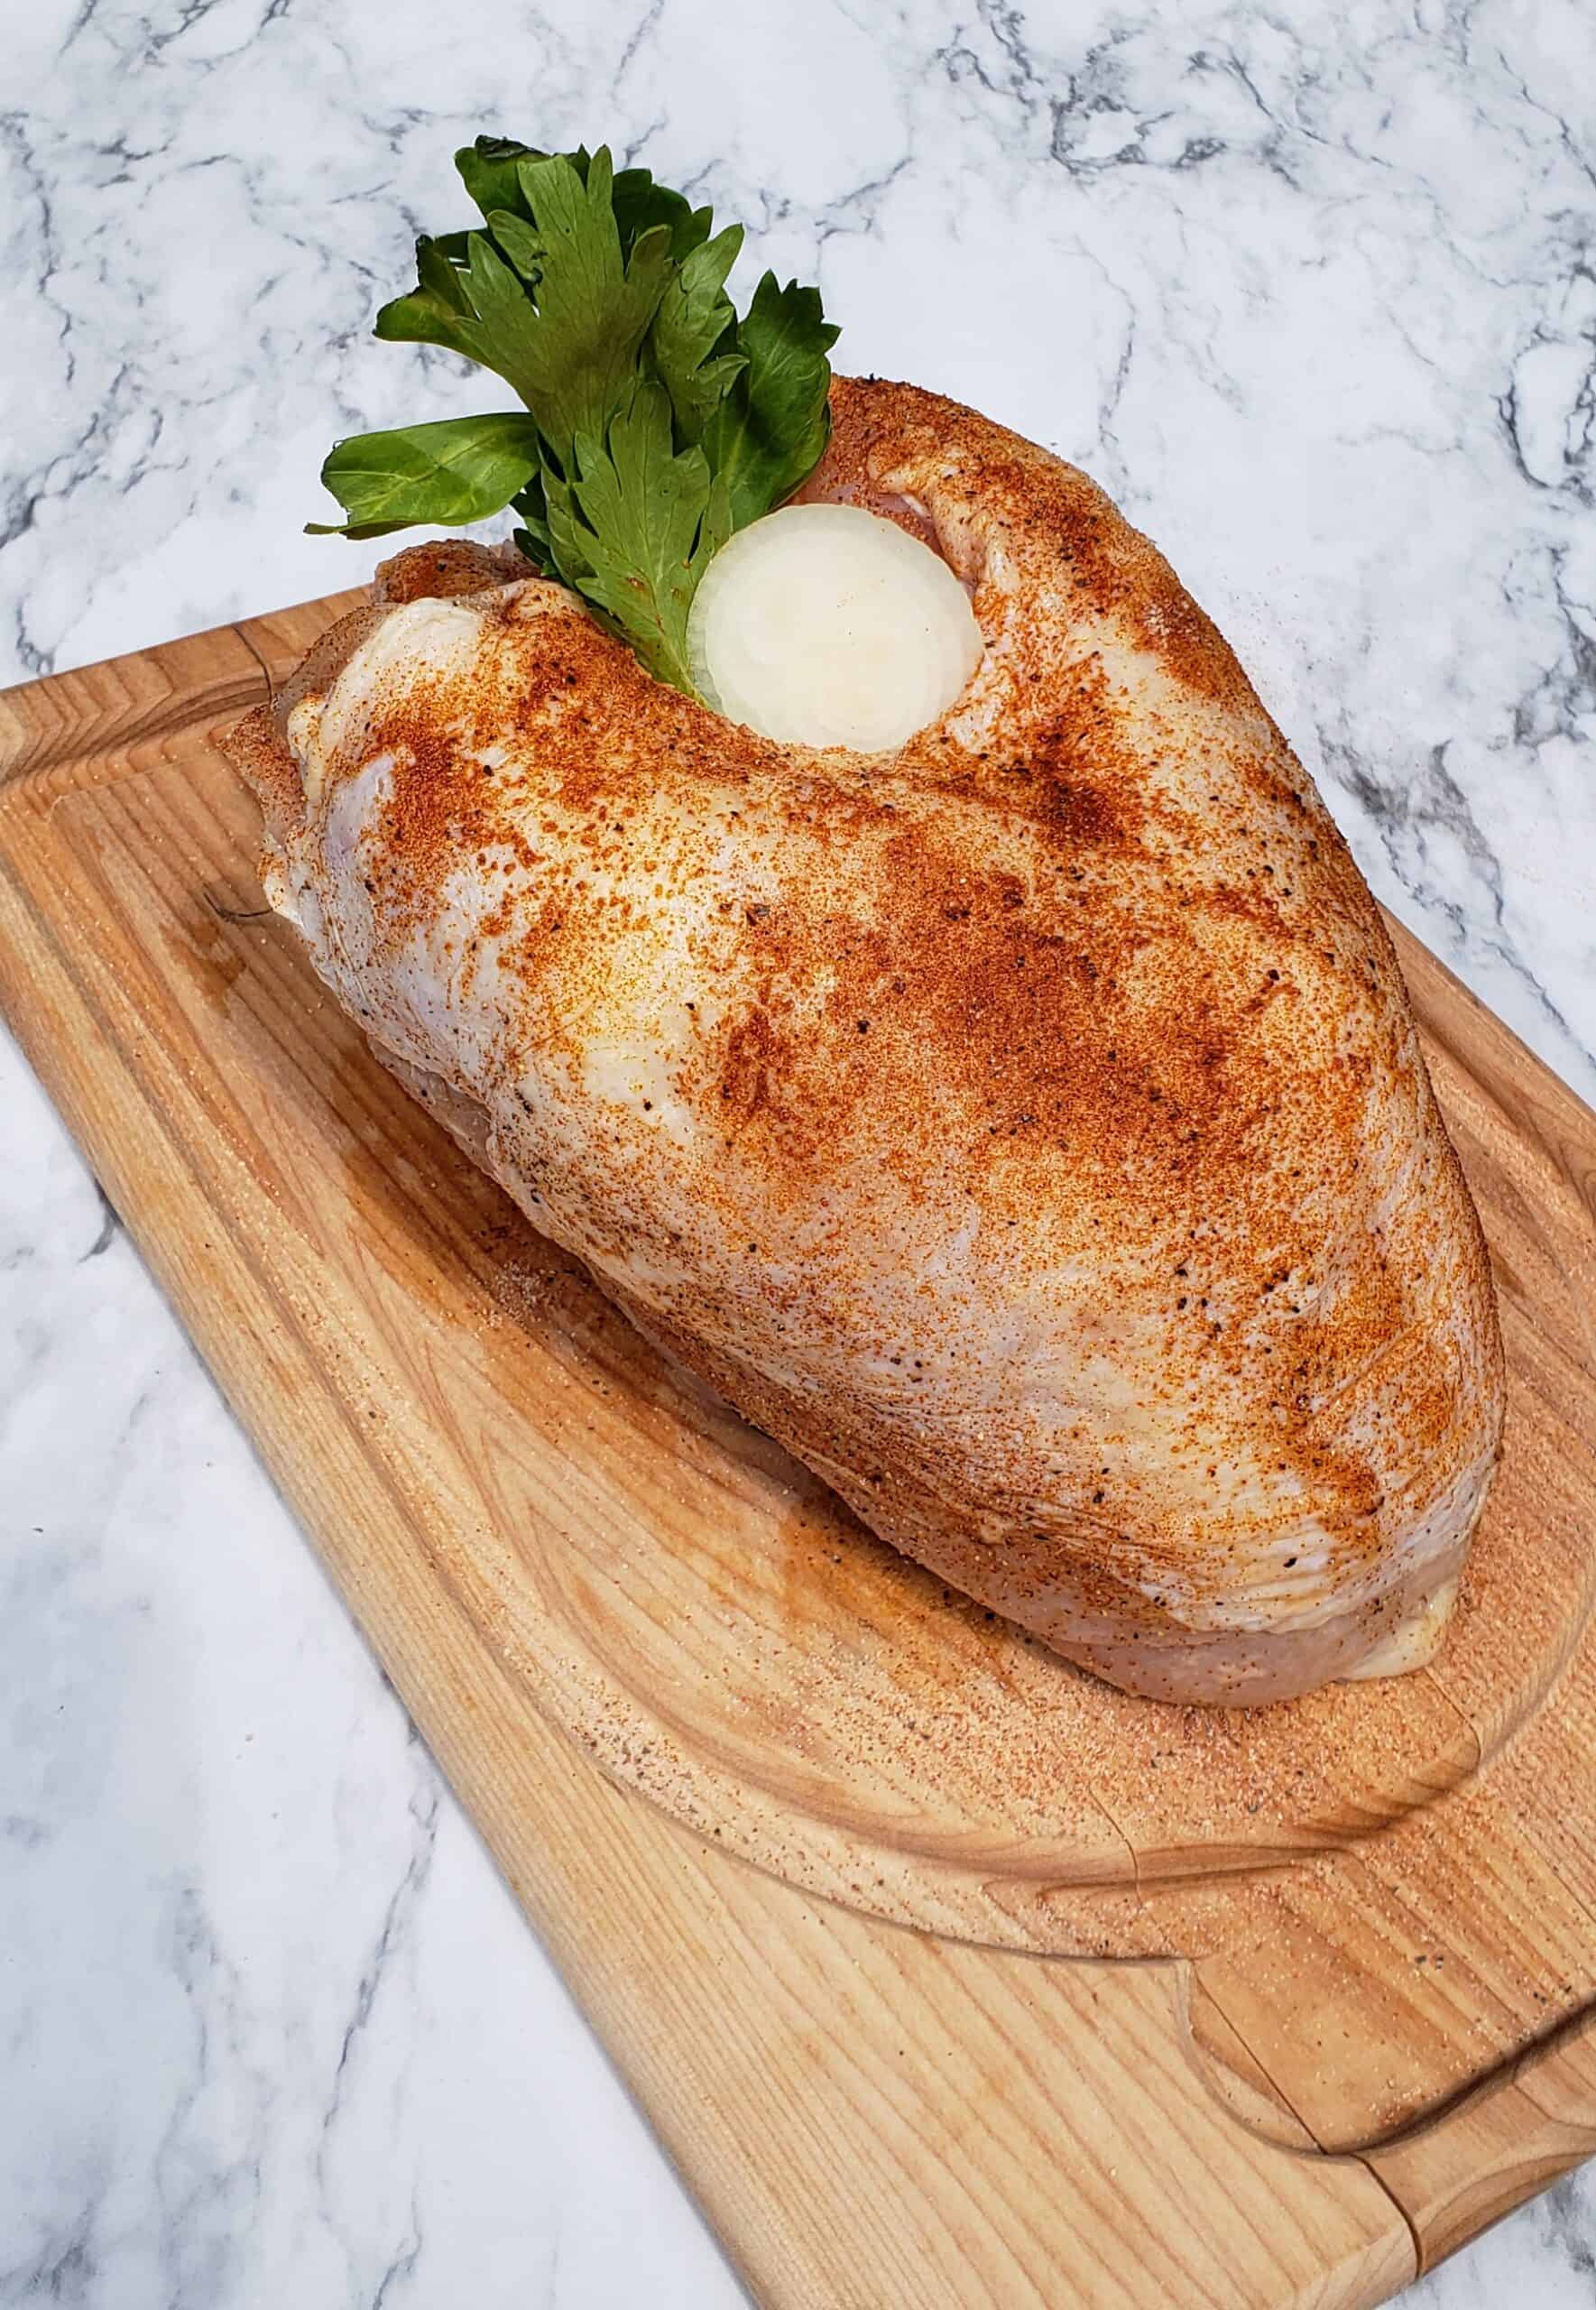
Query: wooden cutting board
[(844, 1873)]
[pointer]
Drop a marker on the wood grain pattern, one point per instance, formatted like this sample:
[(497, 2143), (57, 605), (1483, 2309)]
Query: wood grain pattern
[(1376, 1902)]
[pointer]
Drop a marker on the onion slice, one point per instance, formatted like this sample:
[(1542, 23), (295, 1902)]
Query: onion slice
[(825, 625)]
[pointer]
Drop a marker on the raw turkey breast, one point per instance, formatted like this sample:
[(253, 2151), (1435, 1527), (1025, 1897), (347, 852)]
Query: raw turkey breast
[(1028, 1127)]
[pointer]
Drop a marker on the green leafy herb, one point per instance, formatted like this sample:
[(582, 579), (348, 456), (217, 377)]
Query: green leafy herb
[(658, 421), (636, 527), (460, 470), (767, 433), (695, 315)]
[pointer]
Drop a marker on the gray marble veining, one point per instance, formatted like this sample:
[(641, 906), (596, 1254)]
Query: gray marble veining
[(1312, 291)]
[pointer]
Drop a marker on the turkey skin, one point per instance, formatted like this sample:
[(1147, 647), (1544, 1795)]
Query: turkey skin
[(1028, 1127)]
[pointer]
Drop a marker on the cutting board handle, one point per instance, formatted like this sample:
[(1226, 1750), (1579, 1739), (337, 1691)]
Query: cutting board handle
[(1509, 2138)]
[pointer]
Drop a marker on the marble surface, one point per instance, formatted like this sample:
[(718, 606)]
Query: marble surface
[(1313, 290)]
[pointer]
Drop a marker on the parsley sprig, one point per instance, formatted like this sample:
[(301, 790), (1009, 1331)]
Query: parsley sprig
[(657, 419)]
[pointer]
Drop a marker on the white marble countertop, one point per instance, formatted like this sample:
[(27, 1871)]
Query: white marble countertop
[(1313, 290)]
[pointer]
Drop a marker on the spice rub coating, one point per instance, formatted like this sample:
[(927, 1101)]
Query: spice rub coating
[(1027, 1126)]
